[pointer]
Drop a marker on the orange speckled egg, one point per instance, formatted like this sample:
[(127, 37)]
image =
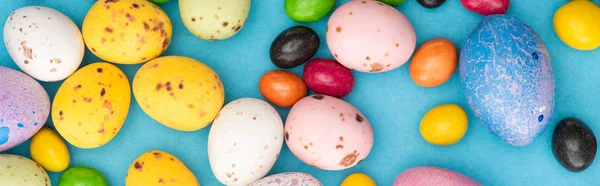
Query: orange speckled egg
[(433, 63), (282, 88)]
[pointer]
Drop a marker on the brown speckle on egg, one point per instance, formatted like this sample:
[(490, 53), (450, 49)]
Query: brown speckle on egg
[(338, 29), (157, 155), (53, 70), (216, 17), (99, 70), (368, 58), (341, 138), (339, 147), (287, 136), (335, 55), (26, 62), (146, 26), (397, 45), (266, 147), (254, 118), (350, 13), (87, 99), (108, 29), (160, 180), (376, 67), (388, 65), (327, 28), (27, 52), (363, 1), (135, 5), (232, 165), (228, 175), (201, 18), (401, 33), (102, 92), (172, 159), (349, 159), (203, 113), (193, 19), (387, 54), (359, 118), (225, 24), (318, 97), (138, 166)]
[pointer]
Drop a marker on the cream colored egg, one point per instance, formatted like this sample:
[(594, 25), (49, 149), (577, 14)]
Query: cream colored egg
[(20, 171), (43, 42), (214, 20)]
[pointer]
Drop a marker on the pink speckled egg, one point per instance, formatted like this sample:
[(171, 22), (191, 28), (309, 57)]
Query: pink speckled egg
[(24, 107), (328, 133), (370, 36), (288, 179), (425, 176)]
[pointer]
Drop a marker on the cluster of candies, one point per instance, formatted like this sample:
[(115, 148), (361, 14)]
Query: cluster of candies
[(506, 74)]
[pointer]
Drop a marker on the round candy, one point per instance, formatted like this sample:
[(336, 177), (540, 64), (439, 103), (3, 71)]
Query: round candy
[(126, 31), (431, 3), (370, 36), (433, 63), (574, 144), (308, 10), (576, 24), (444, 124), (294, 46), (82, 176), (326, 76), (159, 1), (486, 7), (392, 2), (49, 150), (282, 88), (179, 92), (358, 179)]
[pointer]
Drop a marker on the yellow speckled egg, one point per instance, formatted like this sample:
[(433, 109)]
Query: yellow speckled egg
[(179, 92), (358, 179), (48, 149), (214, 20), (91, 105), (126, 31), (19, 171), (149, 170)]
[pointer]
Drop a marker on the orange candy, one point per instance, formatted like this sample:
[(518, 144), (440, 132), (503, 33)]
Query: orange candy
[(282, 88), (433, 63)]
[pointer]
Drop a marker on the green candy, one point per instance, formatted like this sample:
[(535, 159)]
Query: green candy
[(82, 176), (308, 10), (159, 1), (392, 2)]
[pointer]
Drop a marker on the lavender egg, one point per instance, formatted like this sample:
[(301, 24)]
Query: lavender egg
[(288, 179), (507, 77), (24, 107)]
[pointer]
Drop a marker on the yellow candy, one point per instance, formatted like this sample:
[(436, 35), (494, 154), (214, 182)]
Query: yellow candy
[(179, 92), (576, 24), (358, 179), (444, 124), (49, 150), (158, 168), (126, 31)]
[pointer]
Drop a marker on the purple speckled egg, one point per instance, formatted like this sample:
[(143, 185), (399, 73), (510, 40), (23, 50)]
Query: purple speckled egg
[(288, 179), (24, 107), (426, 176), (507, 77)]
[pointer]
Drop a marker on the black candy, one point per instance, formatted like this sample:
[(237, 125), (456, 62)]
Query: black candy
[(431, 3), (574, 144), (294, 46)]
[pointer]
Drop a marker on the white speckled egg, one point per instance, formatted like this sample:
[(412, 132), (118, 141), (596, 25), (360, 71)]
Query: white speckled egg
[(43, 42), (288, 179), (19, 171), (214, 20), (24, 108), (328, 133), (244, 141), (370, 36)]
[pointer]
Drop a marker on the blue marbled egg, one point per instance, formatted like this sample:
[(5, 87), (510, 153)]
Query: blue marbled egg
[(506, 74)]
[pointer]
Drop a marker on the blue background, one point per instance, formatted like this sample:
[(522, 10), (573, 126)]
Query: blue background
[(391, 101)]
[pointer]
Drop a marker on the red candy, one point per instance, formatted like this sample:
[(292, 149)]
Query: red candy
[(326, 76), (486, 7)]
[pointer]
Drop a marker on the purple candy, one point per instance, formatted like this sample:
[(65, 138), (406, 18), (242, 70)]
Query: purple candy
[(426, 176), (507, 77), (24, 107)]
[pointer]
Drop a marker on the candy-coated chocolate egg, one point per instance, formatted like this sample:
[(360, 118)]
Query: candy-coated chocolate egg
[(308, 10), (326, 76), (91, 106), (507, 77), (574, 144), (244, 141), (294, 46), (444, 124), (43, 42), (149, 170), (328, 133), (431, 3), (288, 179), (16, 170), (433, 63), (214, 19), (429, 176), (486, 7), (179, 92), (370, 36), (24, 107), (126, 31), (82, 176), (358, 179), (576, 24), (282, 88), (49, 150), (393, 2)]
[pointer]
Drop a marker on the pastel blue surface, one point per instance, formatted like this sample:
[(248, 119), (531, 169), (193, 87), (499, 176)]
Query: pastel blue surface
[(391, 101), (507, 76)]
